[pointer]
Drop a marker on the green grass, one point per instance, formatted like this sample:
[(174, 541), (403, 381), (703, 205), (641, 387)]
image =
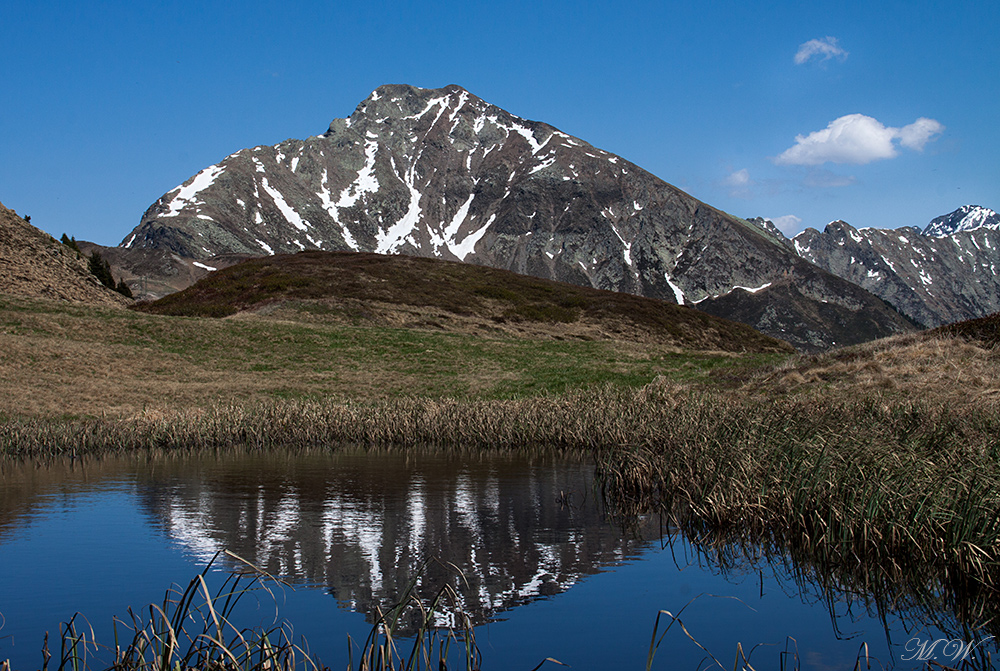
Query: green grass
[(59, 359)]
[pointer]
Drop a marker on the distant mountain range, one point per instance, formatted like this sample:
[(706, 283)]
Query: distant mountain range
[(442, 173), (943, 274)]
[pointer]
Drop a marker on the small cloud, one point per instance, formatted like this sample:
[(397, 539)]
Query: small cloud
[(788, 224), (824, 49), (857, 139), (739, 183), (738, 178), (824, 179)]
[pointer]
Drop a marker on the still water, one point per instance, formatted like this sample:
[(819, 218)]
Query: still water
[(543, 572)]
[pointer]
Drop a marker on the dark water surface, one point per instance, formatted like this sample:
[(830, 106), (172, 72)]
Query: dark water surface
[(544, 573)]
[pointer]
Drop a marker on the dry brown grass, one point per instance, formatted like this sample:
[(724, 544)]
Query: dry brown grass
[(938, 368), (34, 265)]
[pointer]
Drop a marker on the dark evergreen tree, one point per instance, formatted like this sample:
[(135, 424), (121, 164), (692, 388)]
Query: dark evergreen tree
[(123, 289), (101, 269), (70, 242)]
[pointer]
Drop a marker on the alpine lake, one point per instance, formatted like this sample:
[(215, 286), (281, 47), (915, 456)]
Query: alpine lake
[(534, 559)]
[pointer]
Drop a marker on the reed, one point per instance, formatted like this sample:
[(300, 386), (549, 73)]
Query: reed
[(867, 477), (440, 624), (194, 628), (191, 629), (861, 481)]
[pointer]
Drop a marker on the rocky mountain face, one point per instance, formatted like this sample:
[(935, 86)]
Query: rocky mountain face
[(943, 274), (443, 173), (34, 265)]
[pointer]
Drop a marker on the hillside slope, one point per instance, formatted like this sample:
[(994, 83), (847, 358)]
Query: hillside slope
[(431, 293), (34, 265), (951, 366), (441, 173)]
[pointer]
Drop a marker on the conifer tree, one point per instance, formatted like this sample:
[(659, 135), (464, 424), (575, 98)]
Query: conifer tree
[(70, 242), (101, 269), (123, 289)]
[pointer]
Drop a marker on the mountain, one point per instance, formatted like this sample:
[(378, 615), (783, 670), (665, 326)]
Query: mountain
[(441, 173), (34, 265), (446, 295), (943, 274), (965, 218)]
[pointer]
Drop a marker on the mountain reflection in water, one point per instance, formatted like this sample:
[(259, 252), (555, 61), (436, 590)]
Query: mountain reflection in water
[(515, 528), (361, 525)]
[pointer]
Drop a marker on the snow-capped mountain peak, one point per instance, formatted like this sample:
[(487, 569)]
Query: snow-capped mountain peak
[(965, 218), (443, 173), (947, 272)]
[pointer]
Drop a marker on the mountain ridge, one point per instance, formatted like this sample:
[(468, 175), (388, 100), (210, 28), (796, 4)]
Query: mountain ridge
[(965, 218), (945, 273), (442, 173)]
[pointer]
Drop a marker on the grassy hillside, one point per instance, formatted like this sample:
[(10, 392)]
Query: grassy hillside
[(371, 289), (60, 359), (984, 331), (957, 364), (34, 265)]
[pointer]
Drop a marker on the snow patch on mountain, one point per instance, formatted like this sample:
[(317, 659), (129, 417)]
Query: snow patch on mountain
[(290, 215), (389, 241), (528, 135), (186, 195), (678, 293)]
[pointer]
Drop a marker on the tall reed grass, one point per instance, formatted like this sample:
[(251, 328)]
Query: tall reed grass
[(195, 628), (865, 479)]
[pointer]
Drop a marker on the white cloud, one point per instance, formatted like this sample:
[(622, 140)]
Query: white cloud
[(825, 49), (857, 139), (788, 224), (740, 178), (739, 184), (919, 133)]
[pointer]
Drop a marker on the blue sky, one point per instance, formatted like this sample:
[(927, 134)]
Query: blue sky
[(879, 113)]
